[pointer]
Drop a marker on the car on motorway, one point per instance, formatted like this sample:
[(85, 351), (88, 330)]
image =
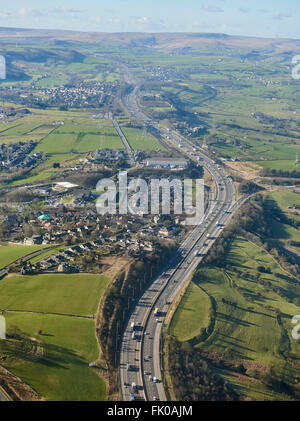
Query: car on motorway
[(155, 398), (155, 380), (150, 378)]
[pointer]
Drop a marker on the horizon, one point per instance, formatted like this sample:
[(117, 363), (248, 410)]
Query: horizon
[(261, 19), (147, 33)]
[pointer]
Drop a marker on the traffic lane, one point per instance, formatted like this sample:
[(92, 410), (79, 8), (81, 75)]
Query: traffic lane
[(194, 262)]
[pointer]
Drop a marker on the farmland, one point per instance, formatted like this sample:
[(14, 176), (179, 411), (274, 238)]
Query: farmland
[(79, 139), (78, 294), (51, 327), (286, 231), (23, 132), (52, 354), (246, 325), (190, 317), (141, 140), (11, 253)]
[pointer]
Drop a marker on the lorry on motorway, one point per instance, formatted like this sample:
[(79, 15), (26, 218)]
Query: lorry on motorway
[(133, 335), (196, 252), (128, 366), (133, 385), (132, 326), (155, 311)]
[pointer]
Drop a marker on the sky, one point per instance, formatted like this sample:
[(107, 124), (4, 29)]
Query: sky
[(262, 18)]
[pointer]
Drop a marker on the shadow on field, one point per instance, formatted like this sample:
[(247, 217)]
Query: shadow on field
[(227, 318), (20, 346)]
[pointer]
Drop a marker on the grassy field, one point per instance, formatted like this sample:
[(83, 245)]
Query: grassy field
[(191, 314), (54, 362), (11, 253), (79, 139), (286, 165), (76, 294), (286, 232), (246, 324), (45, 170), (23, 132), (285, 199), (141, 140), (51, 352)]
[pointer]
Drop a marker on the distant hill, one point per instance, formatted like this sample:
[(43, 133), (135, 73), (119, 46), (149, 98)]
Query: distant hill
[(154, 40)]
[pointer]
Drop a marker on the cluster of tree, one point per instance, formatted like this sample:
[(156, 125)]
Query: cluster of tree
[(192, 377), (248, 187), (263, 269), (268, 172), (271, 380), (278, 123), (122, 294)]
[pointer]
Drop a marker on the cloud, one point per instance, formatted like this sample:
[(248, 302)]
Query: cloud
[(145, 23), (212, 9), (143, 20), (33, 13), (281, 16), (243, 10)]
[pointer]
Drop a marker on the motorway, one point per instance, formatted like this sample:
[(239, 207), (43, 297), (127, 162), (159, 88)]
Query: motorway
[(140, 355), (129, 150)]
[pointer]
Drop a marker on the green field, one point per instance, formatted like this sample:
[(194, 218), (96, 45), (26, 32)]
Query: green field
[(246, 324), (76, 294), (51, 352), (79, 139), (286, 165), (284, 231), (45, 170), (58, 367), (141, 140), (24, 132), (191, 315), (11, 253), (285, 199)]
